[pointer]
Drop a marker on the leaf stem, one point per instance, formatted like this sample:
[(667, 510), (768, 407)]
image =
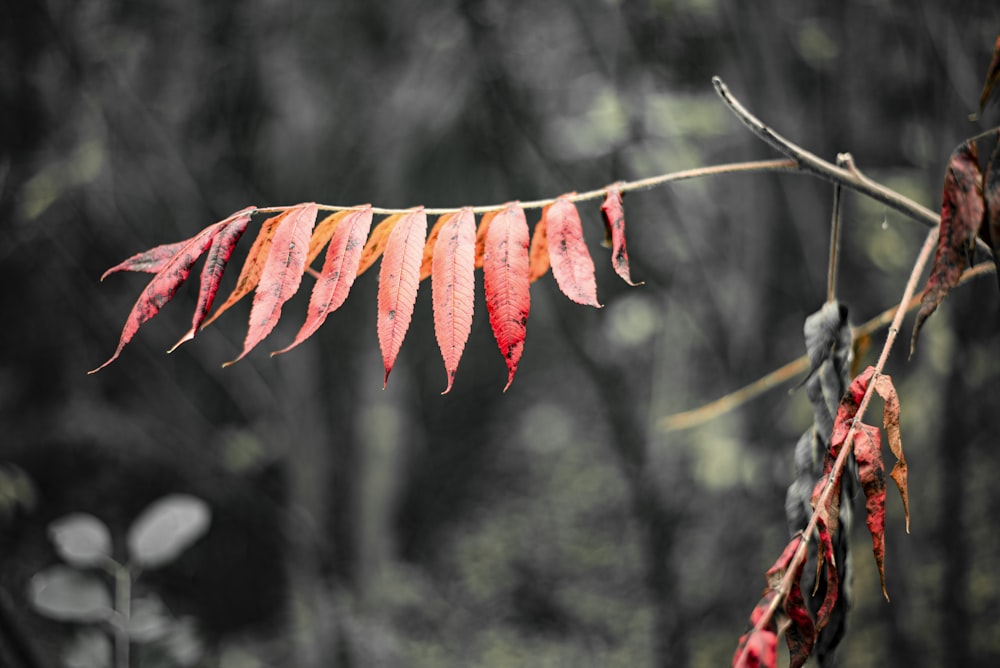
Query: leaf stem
[(838, 467)]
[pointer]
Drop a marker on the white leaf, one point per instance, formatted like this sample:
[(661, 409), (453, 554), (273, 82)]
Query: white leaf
[(81, 540), (66, 594), (166, 528)]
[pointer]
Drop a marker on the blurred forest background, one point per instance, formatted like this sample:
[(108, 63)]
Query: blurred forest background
[(558, 524)]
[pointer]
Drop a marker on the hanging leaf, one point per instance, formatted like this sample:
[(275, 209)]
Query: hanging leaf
[(992, 78), (376, 243), (505, 278), (538, 251), (81, 540), (484, 225), (868, 452), (164, 286), (427, 259), (167, 527), (613, 212), (340, 269), (758, 647), (890, 420), (211, 274), (281, 275), (252, 266), (572, 265), (150, 261), (325, 230), (800, 634), (453, 286), (398, 281), (825, 548), (961, 216)]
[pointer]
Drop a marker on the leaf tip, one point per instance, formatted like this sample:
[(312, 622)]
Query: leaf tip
[(184, 339)]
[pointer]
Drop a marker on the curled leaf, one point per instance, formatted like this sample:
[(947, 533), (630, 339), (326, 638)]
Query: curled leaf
[(613, 212), (398, 281), (453, 286), (868, 452), (505, 278), (890, 420), (962, 210)]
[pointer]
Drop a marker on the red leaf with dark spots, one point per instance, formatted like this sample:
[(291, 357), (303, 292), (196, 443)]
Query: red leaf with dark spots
[(868, 453), (340, 269), (962, 211), (613, 212), (211, 274), (757, 650), (398, 281), (538, 252), (324, 231), (281, 274), (453, 286), (150, 261), (825, 554), (505, 278), (252, 266), (164, 286), (572, 265)]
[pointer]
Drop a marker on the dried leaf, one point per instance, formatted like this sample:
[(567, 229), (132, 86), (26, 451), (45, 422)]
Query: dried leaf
[(868, 452), (825, 548), (340, 269), (398, 281), (613, 212), (992, 78), (376, 242), (962, 211), (211, 274), (162, 288), (572, 265), (453, 286), (252, 266), (538, 252), (890, 420), (505, 277), (281, 275)]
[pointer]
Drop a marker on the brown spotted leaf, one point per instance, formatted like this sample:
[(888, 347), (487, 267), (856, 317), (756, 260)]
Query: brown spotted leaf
[(613, 212), (871, 472), (572, 266), (890, 421), (961, 216), (505, 278), (281, 275), (398, 281)]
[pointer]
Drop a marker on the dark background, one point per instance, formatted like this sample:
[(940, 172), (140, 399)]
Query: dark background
[(558, 524)]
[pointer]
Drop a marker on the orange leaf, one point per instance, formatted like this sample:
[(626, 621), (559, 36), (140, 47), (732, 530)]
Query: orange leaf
[(505, 278), (211, 274), (453, 286), (340, 268), (427, 261), (376, 243), (962, 210), (162, 288), (281, 275), (890, 420), (398, 281), (484, 225), (252, 266), (572, 265), (538, 252), (614, 223)]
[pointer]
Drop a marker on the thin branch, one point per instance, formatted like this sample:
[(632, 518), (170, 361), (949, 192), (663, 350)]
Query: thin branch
[(831, 276), (801, 551), (705, 413)]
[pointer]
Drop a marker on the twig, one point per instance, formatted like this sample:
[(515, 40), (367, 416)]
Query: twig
[(838, 466), (831, 275), (707, 412)]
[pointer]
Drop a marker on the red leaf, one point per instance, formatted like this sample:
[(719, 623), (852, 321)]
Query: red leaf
[(453, 286), (614, 223), (164, 286), (825, 554), (211, 274), (281, 275), (992, 77), (538, 252), (252, 266), (572, 265), (962, 210), (801, 633), (756, 650), (149, 261), (324, 231), (505, 278), (376, 242), (890, 420), (398, 280), (484, 225), (340, 268), (868, 452)]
